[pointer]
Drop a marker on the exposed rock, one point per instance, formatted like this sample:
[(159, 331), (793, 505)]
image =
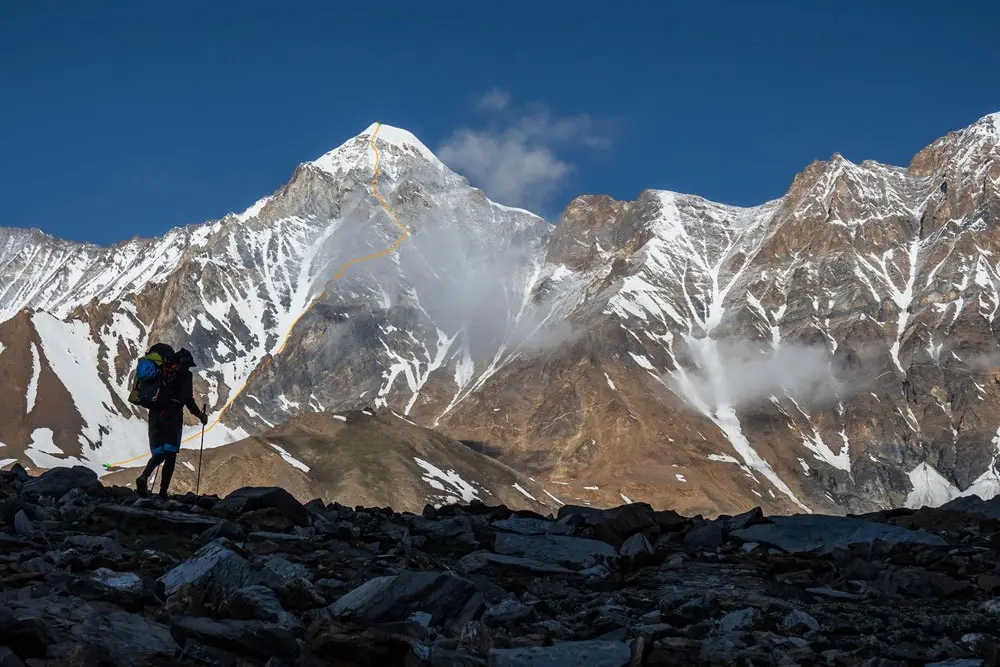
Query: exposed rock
[(216, 569), (799, 621), (558, 549), (637, 545), (709, 535), (255, 639), (590, 653), (824, 534), (248, 499), (451, 600), (475, 562), (508, 611), (8, 658), (58, 482), (742, 620), (261, 603), (392, 595), (22, 524), (120, 637), (124, 581)]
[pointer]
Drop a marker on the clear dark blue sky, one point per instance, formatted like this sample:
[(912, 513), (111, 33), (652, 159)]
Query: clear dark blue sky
[(126, 118)]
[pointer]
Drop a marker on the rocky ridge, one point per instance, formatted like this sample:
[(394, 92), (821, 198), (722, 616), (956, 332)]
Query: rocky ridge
[(94, 575)]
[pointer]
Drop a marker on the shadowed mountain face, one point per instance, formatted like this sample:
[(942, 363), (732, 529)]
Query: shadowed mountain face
[(829, 351)]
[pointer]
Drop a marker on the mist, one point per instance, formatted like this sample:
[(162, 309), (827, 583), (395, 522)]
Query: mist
[(470, 269), (745, 374)]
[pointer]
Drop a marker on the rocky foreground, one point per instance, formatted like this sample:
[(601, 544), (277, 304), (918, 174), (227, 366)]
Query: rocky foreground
[(91, 575)]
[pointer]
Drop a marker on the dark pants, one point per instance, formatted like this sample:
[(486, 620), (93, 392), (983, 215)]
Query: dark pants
[(164, 443)]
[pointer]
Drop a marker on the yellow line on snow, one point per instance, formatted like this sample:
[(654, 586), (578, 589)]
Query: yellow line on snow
[(357, 260)]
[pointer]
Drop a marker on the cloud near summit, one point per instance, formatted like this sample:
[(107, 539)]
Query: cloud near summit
[(519, 158)]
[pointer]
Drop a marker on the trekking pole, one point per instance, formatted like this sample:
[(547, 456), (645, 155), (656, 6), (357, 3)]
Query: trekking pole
[(201, 450)]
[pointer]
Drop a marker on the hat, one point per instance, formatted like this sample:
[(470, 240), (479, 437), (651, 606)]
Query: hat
[(184, 358)]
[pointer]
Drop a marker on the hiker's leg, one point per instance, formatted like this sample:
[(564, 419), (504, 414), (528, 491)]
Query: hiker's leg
[(170, 459), (154, 460)]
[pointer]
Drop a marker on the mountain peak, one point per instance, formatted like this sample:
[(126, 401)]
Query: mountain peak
[(347, 154)]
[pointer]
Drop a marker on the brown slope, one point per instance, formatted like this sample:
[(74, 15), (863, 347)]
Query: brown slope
[(366, 460)]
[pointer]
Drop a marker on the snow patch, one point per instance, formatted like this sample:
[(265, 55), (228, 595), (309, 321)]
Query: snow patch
[(680, 477), (438, 478), (288, 458), (554, 498), (930, 488), (625, 498), (523, 492), (36, 370)]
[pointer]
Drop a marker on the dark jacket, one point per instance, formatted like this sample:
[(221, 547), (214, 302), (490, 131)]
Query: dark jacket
[(183, 396)]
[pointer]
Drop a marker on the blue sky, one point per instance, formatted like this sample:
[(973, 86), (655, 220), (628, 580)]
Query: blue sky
[(127, 118)]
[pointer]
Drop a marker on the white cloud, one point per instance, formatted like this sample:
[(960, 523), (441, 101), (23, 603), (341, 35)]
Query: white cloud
[(515, 160), (495, 100)]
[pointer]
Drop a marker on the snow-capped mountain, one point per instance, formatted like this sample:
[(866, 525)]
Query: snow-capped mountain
[(831, 350)]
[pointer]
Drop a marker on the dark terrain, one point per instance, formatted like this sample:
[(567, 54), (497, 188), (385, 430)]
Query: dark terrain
[(92, 575)]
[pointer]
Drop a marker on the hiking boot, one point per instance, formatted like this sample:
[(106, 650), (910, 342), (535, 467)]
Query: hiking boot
[(140, 487)]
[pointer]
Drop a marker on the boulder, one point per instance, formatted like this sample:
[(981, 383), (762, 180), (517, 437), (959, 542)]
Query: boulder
[(616, 525), (339, 642), (824, 534), (118, 637), (57, 482), (482, 560), (8, 658), (255, 639), (741, 621), (635, 546), (253, 498), (530, 526), (261, 603), (216, 570), (575, 552), (799, 621), (708, 535), (508, 611), (450, 600), (594, 653)]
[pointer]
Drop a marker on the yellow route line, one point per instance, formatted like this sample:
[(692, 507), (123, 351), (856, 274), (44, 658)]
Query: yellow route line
[(337, 276)]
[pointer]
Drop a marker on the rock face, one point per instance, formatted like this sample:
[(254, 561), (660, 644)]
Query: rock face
[(897, 587), (830, 351)]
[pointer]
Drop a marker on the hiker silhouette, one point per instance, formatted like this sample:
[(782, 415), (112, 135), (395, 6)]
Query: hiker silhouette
[(174, 390)]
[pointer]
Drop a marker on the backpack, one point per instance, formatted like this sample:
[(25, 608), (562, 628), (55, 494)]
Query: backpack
[(155, 375)]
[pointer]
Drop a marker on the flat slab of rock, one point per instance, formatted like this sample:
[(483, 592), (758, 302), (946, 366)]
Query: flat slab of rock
[(450, 600), (575, 552), (589, 653), (127, 639), (530, 526), (824, 534), (162, 519), (258, 639), (481, 560)]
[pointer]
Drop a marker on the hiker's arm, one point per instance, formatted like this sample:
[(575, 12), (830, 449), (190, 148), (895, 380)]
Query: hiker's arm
[(187, 393)]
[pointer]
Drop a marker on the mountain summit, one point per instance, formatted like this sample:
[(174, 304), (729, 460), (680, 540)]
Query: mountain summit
[(833, 350)]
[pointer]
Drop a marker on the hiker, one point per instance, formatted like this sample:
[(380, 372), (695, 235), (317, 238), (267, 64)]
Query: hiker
[(166, 399)]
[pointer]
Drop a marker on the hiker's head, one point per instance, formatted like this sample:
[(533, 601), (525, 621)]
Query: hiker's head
[(185, 359)]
